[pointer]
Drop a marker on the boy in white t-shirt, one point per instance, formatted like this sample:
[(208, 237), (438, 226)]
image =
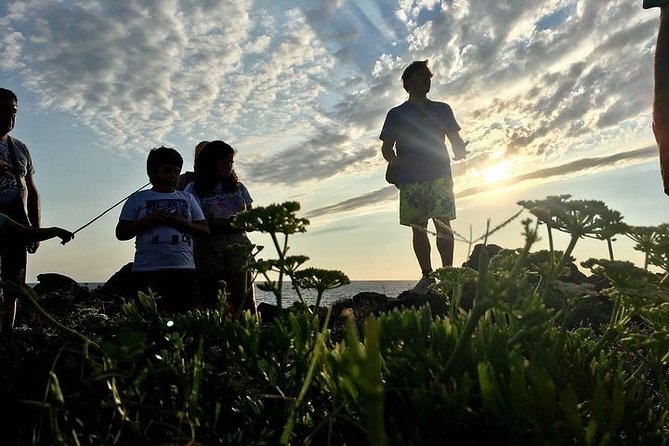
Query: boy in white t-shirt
[(162, 221)]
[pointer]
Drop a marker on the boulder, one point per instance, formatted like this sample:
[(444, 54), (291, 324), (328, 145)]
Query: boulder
[(122, 282), (473, 261), (53, 282)]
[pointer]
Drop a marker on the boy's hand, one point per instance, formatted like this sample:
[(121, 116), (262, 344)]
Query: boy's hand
[(176, 222), (156, 218)]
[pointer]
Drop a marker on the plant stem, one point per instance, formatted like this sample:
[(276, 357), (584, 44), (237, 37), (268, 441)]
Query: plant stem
[(610, 246)]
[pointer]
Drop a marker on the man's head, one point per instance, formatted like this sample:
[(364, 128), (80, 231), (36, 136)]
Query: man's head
[(416, 78), (163, 166), (9, 106)]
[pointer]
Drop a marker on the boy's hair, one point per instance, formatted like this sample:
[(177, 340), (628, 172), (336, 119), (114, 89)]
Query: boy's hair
[(161, 156), (413, 67), (8, 94), (205, 169)]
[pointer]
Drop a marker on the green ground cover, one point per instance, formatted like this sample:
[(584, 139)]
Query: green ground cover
[(516, 364)]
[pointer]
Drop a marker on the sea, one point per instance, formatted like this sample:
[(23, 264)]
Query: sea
[(389, 288)]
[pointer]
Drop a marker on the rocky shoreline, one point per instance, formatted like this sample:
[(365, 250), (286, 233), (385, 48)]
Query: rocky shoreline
[(57, 292)]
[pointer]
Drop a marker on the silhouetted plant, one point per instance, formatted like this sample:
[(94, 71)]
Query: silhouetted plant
[(631, 289), (278, 219), (646, 237), (275, 220), (320, 280), (451, 281)]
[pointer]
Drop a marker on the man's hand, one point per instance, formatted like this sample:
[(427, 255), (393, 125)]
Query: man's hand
[(461, 152), (31, 248)]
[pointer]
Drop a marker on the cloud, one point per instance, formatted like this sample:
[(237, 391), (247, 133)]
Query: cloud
[(369, 199), (322, 156), (132, 71), (573, 168), (540, 80), (139, 72)]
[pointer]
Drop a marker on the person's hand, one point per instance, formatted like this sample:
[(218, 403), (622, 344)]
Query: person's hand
[(64, 235), (156, 218), (31, 248), (176, 221), (461, 153)]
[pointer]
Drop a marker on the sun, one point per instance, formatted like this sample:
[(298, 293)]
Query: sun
[(497, 172)]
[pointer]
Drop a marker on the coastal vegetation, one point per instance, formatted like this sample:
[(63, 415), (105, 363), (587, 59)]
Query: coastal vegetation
[(518, 347)]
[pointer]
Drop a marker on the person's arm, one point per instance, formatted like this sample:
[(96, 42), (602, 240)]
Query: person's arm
[(661, 95), (33, 202), (387, 149), (197, 227), (128, 229), (458, 145), (661, 100), (14, 229), (33, 209)]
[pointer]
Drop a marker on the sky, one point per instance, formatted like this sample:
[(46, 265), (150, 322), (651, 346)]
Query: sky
[(553, 95)]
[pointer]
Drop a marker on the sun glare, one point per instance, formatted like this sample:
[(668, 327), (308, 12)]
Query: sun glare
[(498, 172)]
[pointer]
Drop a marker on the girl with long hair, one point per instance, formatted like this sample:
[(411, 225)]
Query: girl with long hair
[(221, 195)]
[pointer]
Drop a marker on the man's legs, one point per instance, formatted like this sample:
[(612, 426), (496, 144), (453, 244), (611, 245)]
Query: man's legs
[(421, 247), (445, 240), (13, 269)]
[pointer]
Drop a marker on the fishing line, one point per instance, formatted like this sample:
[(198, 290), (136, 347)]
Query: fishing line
[(109, 209)]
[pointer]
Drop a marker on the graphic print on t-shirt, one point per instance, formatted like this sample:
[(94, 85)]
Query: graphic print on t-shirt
[(170, 206), (8, 188), (223, 205)]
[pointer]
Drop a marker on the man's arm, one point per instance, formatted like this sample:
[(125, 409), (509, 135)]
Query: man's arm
[(33, 210), (458, 145), (13, 229), (33, 202), (661, 100), (661, 95), (387, 149)]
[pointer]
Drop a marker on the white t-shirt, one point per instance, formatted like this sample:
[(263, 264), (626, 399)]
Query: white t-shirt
[(222, 204), (211, 252), (162, 247)]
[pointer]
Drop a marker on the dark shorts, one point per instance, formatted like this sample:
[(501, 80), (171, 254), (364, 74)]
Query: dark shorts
[(176, 288), (426, 199)]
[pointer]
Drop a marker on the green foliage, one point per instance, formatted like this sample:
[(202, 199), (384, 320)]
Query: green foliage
[(320, 280), (511, 370), (281, 220)]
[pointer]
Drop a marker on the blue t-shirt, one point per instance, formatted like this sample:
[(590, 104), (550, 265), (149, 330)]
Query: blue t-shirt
[(419, 134), (162, 247)]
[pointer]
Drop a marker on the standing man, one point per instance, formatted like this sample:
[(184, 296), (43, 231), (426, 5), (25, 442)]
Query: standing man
[(661, 93), (19, 200), (413, 136)]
